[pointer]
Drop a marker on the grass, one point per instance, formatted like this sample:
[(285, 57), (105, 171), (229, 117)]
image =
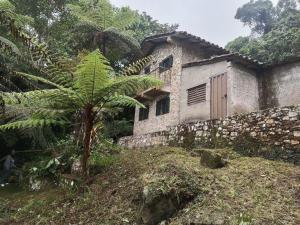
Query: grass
[(247, 191)]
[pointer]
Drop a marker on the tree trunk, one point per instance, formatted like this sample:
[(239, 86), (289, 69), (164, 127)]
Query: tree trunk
[(88, 122)]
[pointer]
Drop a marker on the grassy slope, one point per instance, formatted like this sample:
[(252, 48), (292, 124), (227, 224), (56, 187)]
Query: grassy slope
[(265, 192)]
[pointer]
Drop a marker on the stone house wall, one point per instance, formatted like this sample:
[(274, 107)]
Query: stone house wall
[(181, 53), (159, 123)]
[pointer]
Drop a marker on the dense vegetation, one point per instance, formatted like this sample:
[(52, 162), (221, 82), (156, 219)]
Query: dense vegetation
[(275, 30), (68, 77), (49, 40)]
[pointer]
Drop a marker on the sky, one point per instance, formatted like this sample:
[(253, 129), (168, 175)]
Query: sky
[(212, 20)]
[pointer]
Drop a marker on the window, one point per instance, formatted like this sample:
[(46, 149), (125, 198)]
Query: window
[(197, 94), (163, 106), (166, 64), (144, 113), (147, 70)]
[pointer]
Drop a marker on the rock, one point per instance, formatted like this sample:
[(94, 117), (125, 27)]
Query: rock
[(293, 114), (76, 168), (234, 134), (211, 160), (295, 142), (286, 118), (199, 133), (296, 133)]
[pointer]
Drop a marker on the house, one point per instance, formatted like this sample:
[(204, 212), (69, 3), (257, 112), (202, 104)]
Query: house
[(203, 81)]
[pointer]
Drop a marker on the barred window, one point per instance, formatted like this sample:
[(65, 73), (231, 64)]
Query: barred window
[(197, 94), (166, 64), (144, 113), (147, 70), (163, 106)]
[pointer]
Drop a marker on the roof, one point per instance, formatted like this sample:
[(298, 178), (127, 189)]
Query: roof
[(150, 42), (220, 53), (235, 57)]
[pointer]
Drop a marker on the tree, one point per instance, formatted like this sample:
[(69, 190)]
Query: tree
[(94, 91), (104, 27), (282, 41), (258, 15), (146, 26)]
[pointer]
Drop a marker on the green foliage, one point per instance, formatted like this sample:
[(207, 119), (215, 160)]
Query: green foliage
[(95, 91), (258, 15), (147, 26), (280, 26), (247, 145), (57, 159)]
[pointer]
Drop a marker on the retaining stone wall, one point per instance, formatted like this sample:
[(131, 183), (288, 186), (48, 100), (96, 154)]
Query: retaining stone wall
[(276, 127)]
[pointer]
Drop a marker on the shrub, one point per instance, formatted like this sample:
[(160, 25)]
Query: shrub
[(247, 145)]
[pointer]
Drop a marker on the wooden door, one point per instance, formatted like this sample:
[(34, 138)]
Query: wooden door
[(218, 96)]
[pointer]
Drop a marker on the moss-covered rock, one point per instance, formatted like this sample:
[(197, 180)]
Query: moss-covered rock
[(166, 191), (212, 159)]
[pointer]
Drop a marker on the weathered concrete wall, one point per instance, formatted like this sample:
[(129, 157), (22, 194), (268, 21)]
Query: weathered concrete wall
[(192, 77), (190, 53), (159, 123), (280, 86), (277, 127), (243, 91)]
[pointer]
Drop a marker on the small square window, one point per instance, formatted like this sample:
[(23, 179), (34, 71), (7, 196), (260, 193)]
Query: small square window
[(147, 70), (196, 94), (166, 64), (144, 113), (163, 106)]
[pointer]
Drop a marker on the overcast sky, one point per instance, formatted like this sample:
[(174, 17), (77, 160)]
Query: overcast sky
[(212, 20)]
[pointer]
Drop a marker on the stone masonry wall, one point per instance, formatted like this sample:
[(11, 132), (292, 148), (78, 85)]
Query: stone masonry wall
[(276, 127)]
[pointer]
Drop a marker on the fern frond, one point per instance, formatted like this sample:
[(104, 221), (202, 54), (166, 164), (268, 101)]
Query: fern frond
[(92, 74), (123, 101), (32, 123), (130, 85), (118, 37), (136, 67), (9, 46)]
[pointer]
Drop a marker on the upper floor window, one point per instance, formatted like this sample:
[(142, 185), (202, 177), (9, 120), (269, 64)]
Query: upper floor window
[(147, 70), (196, 94), (166, 64), (144, 113), (163, 106)]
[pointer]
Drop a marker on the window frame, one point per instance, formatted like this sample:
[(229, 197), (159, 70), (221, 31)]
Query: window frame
[(162, 67), (147, 70), (144, 113), (163, 106), (193, 98)]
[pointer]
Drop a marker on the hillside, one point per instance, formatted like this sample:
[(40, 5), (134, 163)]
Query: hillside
[(170, 183)]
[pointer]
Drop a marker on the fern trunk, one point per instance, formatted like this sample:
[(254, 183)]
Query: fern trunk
[(88, 121)]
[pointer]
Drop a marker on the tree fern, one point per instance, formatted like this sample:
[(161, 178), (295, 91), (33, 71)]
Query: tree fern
[(96, 90)]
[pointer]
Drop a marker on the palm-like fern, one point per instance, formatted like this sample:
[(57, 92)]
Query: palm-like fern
[(95, 90), (105, 29)]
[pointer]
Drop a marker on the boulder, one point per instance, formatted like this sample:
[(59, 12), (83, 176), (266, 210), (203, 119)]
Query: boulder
[(212, 160)]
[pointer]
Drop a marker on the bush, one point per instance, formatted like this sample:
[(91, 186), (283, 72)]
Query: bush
[(56, 160), (247, 145)]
